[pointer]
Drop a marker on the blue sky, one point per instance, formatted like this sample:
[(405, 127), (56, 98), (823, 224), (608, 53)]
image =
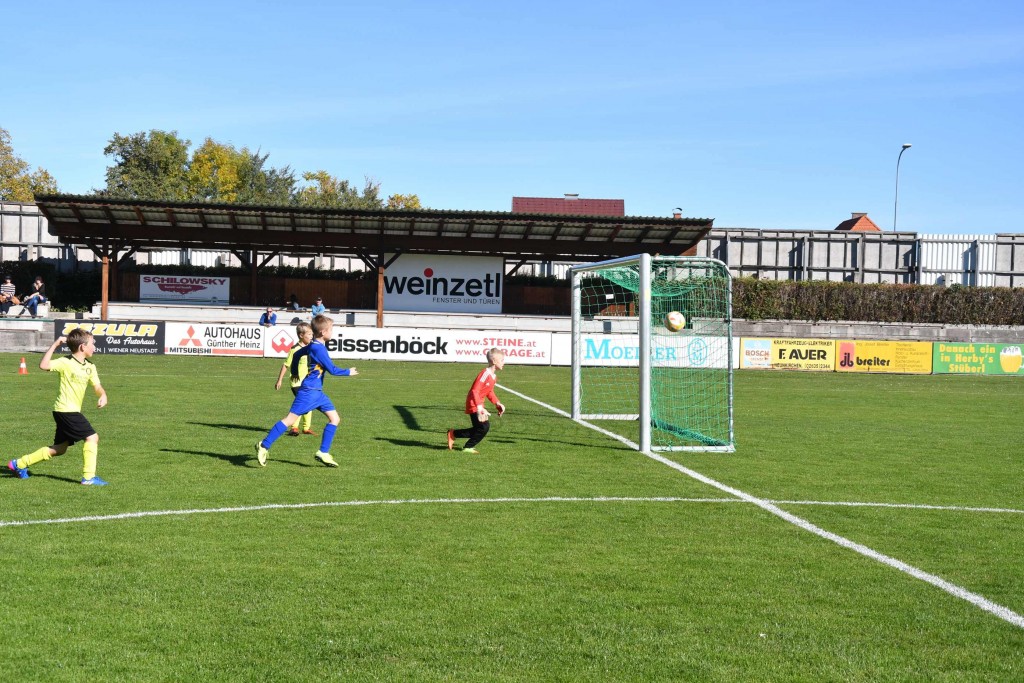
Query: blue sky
[(771, 115)]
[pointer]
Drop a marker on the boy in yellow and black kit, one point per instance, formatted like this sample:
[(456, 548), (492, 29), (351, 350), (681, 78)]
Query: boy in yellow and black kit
[(305, 334), (76, 373)]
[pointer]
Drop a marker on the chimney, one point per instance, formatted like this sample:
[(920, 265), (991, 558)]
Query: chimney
[(857, 215), (678, 213), (572, 196)]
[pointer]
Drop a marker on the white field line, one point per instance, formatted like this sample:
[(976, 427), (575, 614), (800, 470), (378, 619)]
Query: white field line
[(906, 506), (458, 501), (980, 601), (356, 503)]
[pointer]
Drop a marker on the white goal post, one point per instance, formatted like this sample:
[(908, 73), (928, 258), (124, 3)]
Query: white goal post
[(628, 364)]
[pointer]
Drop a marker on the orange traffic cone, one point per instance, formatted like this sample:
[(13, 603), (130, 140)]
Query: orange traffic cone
[(22, 368)]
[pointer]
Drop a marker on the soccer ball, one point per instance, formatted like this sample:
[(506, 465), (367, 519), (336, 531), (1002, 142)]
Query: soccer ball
[(675, 321)]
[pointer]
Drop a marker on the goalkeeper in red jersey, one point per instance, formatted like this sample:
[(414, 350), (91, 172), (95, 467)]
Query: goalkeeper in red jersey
[(481, 391)]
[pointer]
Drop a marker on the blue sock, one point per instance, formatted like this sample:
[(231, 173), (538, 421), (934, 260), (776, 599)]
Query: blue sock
[(275, 432), (327, 438)]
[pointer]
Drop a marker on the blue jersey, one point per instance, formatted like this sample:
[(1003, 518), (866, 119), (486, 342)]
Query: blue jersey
[(317, 363)]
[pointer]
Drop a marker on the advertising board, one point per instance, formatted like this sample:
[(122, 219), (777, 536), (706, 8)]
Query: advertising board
[(116, 336), (420, 344), (209, 339), (184, 289), (755, 353), (454, 284), (884, 356), (623, 350), (803, 354), (977, 359)]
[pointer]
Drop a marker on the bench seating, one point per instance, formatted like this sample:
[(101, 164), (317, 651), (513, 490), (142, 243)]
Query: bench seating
[(43, 311)]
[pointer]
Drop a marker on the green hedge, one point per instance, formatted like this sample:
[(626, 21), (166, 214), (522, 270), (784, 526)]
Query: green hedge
[(815, 300)]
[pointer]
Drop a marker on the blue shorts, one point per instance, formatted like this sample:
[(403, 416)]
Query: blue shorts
[(311, 399)]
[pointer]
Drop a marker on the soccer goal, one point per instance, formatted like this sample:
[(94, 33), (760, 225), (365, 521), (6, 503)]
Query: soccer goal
[(629, 364)]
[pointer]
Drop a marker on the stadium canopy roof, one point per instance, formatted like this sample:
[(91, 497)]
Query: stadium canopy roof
[(115, 229), (89, 220)]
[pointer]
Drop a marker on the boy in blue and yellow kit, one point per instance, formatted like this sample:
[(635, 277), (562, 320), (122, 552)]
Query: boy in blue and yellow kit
[(311, 394), (76, 373)]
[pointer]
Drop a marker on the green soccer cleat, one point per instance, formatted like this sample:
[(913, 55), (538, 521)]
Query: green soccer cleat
[(471, 450), (261, 454), (326, 459)]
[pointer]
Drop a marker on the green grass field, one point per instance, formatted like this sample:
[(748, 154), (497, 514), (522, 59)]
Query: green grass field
[(556, 555)]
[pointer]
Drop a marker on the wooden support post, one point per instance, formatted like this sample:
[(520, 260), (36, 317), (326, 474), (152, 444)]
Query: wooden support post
[(104, 285), (380, 292)]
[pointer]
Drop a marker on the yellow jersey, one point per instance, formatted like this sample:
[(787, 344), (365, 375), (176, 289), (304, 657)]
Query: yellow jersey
[(303, 368), (75, 376)]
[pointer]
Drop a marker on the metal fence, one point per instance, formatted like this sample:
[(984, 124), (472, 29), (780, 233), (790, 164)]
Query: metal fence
[(868, 257)]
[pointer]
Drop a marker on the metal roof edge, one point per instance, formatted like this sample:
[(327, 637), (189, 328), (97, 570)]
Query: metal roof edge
[(376, 213)]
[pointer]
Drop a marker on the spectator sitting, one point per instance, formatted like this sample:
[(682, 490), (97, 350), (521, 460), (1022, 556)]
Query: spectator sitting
[(6, 296), (293, 303), (268, 319), (38, 296), (318, 308)]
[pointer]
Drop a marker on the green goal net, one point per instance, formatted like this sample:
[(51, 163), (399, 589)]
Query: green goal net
[(652, 343)]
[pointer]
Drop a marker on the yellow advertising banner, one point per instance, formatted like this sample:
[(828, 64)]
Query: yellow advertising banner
[(884, 356), (803, 354)]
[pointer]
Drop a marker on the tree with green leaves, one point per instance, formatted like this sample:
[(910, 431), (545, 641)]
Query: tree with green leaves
[(260, 185), (157, 166), (221, 173), (151, 165), (213, 172), (403, 202), (326, 191), (17, 183)]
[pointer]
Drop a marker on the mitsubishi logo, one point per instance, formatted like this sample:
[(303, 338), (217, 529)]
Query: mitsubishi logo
[(190, 338)]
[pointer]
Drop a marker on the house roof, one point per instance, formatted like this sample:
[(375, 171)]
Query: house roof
[(569, 205), (102, 223), (859, 222)]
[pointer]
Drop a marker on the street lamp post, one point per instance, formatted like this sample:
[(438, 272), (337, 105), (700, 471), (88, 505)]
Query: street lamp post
[(896, 201)]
